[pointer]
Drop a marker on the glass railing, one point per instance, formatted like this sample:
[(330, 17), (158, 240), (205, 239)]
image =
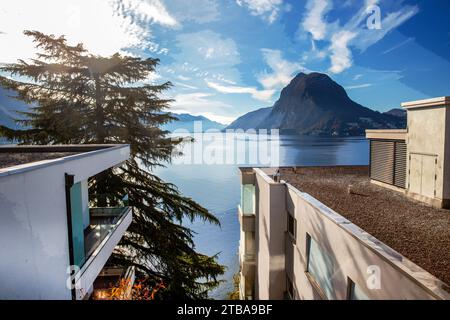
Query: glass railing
[(103, 221), (248, 199)]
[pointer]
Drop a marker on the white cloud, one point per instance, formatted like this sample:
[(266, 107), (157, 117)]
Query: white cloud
[(314, 21), (183, 78), (204, 55), (185, 86), (148, 11), (104, 26), (282, 70), (199, 11), (340, 39), (196, 101), (262, 95), (341, 56), (358, 86), (207, 49), (268, 9)]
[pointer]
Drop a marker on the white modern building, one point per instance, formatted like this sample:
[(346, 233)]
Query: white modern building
[(354, 232), (52, 244)]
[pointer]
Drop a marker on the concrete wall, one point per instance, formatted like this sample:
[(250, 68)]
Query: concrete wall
[(377, 270), (34, 253), (271, 225), (426, 151)]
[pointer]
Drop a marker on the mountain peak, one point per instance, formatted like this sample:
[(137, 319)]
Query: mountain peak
[(315, 104), (313, 85)]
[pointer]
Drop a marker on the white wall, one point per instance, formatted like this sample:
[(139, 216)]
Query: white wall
[(34, 253), (353, 252), (271, 225)]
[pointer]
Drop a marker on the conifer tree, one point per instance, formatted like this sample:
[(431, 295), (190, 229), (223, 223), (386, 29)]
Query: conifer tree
[(81, 98)]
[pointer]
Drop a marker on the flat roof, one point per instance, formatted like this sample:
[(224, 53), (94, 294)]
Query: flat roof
[(16, 159), (387, 134), (20, 158), (417, 231), (434, 102)]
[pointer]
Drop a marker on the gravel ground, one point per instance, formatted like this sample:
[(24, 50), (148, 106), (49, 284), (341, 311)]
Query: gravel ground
[(14, 159), (419, 232)]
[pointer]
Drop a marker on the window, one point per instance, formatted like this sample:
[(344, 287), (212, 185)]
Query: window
[(290, 288), (292, 226), (355, 292), (320, 268)]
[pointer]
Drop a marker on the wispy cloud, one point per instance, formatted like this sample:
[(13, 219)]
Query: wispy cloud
[(268, 9), (359, 86), (398, 46), (281, 73), (198, 11), (314, 21), (185, 86), (207, 49), (340, 38), (148, 11), (282, 70), (262, 95), (341, 56), (366, 38), (196, 102)]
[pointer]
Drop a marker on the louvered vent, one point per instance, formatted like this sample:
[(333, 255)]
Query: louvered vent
[(382, 161), (388, 162), (400, 164)]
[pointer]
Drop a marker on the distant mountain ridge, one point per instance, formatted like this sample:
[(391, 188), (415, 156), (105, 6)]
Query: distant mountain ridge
[(187, 122), (8, 106), (314, 104)]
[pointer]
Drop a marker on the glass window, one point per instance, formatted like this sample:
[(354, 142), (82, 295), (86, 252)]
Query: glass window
[(355, 292), (292, 226), (320, 266), (248, 199)]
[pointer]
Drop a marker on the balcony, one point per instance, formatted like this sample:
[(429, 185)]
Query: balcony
[(113, 277), (103, 221), (106, 228), (247, 259), (247, 221)]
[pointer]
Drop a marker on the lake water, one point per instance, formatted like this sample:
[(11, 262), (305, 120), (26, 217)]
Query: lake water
[(217, 187)]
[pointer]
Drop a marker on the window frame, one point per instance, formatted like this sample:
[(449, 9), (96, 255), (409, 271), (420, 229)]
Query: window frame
[(351, 285), (316, 286), (294, 221)]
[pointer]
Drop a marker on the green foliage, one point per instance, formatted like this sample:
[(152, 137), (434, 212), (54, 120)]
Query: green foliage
[(81, 98), (235, 294)]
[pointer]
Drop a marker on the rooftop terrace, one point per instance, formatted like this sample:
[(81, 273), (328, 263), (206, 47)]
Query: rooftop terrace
[(417, 231)]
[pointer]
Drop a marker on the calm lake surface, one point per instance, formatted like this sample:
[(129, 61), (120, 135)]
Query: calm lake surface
[(217, 187)]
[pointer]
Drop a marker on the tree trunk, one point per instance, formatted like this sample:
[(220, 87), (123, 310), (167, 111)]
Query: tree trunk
[(100, 134)]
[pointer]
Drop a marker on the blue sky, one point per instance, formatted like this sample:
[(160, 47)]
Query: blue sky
[(229, 57)]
